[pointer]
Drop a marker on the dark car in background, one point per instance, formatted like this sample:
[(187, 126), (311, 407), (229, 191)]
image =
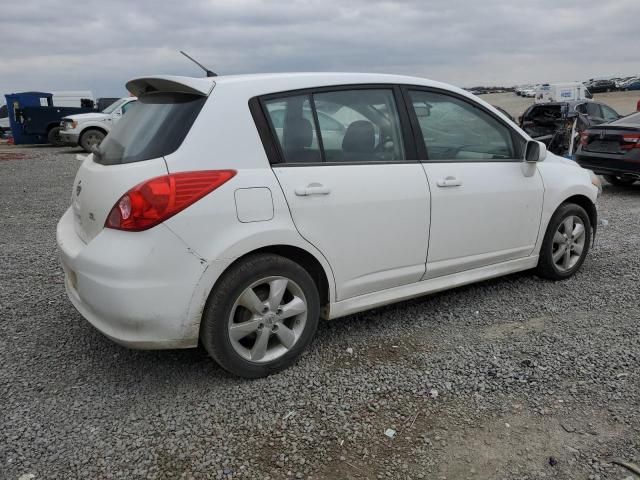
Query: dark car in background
[(600, 86), (613, 150), (632, 85)]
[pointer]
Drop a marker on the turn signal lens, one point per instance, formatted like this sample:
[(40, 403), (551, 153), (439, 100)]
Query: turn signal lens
[(154, 201)]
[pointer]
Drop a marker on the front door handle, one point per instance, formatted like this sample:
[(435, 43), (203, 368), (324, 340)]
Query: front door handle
[(449, 181), (312, 189)]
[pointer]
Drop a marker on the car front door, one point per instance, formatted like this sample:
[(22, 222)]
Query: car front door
[(486, 204), (352, 192)]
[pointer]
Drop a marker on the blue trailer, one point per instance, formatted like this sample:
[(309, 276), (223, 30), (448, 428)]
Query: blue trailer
[(35, 120)]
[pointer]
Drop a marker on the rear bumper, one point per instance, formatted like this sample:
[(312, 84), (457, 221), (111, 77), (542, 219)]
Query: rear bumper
[(135, 288), (610, 164)]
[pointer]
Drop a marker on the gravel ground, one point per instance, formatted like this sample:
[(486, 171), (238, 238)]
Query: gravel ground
[(512, 378)]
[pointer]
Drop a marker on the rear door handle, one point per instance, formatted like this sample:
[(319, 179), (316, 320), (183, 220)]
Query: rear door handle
[(312, 189), (449, 181)]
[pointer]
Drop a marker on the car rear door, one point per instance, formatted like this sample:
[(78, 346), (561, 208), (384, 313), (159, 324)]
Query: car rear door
[(346, 164), (485, 207)]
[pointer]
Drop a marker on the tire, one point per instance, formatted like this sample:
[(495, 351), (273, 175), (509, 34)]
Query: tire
[(54, 137), (231, 304), (91, 137), (553, 262), (619, 181)]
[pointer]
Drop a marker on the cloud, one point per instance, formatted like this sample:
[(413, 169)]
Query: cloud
[(99, 45)]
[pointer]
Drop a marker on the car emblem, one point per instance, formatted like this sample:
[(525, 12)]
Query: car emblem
[(601, 135), (78, 188)]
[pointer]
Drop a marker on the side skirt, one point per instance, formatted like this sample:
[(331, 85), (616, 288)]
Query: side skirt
[(433, 285)]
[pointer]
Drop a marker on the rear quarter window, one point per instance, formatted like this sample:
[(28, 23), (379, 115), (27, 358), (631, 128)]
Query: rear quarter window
[(153, 127)]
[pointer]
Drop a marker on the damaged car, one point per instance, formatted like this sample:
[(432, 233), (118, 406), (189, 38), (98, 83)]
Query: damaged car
[(557, 123)]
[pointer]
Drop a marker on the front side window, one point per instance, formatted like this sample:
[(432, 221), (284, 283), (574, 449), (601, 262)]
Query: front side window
[(455, 130), (341, 126), (127, 106)]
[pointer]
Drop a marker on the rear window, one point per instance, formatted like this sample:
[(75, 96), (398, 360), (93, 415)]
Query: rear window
[(154, 127)]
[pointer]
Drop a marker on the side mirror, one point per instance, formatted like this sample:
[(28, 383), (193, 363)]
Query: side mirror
[(535, 152), (117, 113)]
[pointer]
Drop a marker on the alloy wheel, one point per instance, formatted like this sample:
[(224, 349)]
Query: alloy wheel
[(267, 319), (568, 243)]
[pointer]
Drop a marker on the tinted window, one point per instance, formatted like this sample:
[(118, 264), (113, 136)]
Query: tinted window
[(368, 126), (154, 128), (593, 110), (292, 120), (454, 129), (608, 113)]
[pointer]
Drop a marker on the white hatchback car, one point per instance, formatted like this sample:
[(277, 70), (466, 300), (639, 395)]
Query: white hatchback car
[(236, 211)]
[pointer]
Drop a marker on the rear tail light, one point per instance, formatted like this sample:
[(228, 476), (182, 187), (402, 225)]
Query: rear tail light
[(630, 140), (584, 139), (154, 201)]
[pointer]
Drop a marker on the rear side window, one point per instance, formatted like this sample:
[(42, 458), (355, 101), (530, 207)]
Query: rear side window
[(292, 120), (593, 110), (153, 127), (342, 126)]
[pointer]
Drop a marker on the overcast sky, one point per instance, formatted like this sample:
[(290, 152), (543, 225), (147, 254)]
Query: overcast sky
[(99, 45)]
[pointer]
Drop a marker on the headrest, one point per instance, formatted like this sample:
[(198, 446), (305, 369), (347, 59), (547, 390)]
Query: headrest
[(359, 138)]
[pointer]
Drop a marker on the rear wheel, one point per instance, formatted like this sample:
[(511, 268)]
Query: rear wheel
[(54, 137), (261, 316), (620, 181), (91, 138), (566, 242)]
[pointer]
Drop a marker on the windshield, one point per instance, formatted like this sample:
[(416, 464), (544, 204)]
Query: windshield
[(114, 106), (153, 127)]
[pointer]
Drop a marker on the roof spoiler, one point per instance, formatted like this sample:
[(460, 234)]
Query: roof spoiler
[(169, 83)]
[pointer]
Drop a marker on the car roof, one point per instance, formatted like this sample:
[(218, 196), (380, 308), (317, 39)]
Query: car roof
[(275, 82)]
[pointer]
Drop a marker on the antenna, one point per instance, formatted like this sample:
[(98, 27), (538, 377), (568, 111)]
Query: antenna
[(209, 72)]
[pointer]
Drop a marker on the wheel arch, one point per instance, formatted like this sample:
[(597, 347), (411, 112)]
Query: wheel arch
[(586, 203), (322, 277), (52, 125), (306, 260), (92, 127)]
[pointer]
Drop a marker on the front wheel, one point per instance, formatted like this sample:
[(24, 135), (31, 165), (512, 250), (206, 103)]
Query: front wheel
[(91, 139), (620, 181), (54, 137), (260, 316), (566, 242)]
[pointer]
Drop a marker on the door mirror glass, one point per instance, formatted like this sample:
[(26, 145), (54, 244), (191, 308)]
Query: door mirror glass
[(535, 151)]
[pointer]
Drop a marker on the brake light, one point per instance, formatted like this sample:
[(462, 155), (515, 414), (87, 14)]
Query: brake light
[(584, 139), (158, 199), (630, 140)]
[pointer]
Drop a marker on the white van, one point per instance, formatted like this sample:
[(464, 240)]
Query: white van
[(561, 92)]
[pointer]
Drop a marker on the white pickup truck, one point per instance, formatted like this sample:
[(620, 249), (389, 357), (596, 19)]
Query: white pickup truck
[(88, 129)]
